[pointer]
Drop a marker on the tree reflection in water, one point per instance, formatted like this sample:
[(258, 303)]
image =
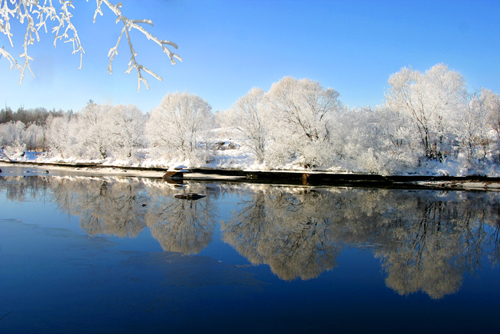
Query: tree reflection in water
[(426, 240), (105, 207), (290, 232), (438, 241), (183, 226)]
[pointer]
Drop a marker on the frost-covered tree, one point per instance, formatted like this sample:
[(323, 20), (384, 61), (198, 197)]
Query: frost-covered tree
[(63, 136), (34, 137), (357, 140), (491, 103), (303, 112), (94, 130), (395, 143), (13, 138), (37, 14), (127, 127), (176, 125), (475, 127), (250, 117), (434, 101)]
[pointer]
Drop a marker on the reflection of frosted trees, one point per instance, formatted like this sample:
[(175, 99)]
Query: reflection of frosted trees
[(123, 207), (290, 232), (111, 208), (437, 242), (426, 240), (432, 238), (20, 189), (426, 254), (180, 225), (248, 224), (299, 232)]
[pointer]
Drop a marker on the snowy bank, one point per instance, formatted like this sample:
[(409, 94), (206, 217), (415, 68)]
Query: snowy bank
[(305, 178)]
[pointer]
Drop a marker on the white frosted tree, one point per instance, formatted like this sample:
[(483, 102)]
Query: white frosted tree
[(397, 145), (63, 136), (303, 112), (58, 135), (38, 14), (434, 101), (13, 138), (250, 117), (175, 126), (479, 120), (95, 133), (127, 124), (34, 137), (356, 138)]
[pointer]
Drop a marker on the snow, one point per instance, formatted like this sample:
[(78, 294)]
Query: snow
[(239, 158)]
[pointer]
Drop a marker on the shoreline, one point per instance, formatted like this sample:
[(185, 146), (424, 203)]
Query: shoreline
[(312, 178)]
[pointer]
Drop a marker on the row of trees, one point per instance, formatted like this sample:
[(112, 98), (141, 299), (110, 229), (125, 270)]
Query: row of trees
[(124, 132), (98, 132), (38, 116), (173, 130), (426, 118)]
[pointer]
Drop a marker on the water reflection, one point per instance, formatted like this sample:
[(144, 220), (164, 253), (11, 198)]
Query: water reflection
[(110, 208), (437, 242), (182, 225), (425, 240), (291, 232)]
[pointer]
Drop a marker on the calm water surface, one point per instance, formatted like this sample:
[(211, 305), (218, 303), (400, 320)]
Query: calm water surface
[(123, 255)]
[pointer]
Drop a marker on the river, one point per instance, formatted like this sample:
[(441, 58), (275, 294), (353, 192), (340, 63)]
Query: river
[(107, 254)]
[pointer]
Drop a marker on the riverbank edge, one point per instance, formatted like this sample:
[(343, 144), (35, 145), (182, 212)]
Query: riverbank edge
[(304, 177)]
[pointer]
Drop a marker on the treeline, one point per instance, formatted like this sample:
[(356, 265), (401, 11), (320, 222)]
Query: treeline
[(428, 121), (36, 116), (26, 128)]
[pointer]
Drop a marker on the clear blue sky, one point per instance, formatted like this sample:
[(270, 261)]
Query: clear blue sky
[(228, 47)]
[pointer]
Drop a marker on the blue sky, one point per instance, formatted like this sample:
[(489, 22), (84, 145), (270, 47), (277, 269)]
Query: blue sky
[(228, 47)]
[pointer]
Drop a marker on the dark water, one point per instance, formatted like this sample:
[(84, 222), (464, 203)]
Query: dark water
[(123, 255)]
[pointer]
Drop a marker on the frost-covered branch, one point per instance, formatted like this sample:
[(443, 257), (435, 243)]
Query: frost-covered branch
[(29, 11), (128, 25), (37, 13), (12, 61)]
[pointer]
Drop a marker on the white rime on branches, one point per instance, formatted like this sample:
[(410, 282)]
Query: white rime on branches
[(434, 101), (249, 116), (94, 124), (127, 128), (36, 14), (176, 125), (303, 113)]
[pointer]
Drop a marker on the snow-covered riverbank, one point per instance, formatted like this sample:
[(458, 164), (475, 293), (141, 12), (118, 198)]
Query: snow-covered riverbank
[(292, 177)]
